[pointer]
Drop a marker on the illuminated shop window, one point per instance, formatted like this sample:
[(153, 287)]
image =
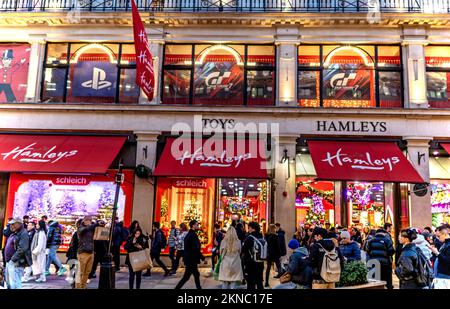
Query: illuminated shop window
[(314, 202), (90, 73), (362, 76), (438, 75), (14, 62), (365, 202), (440, 202), (219, 74)]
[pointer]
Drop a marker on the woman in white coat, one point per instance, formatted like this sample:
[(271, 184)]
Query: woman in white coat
[(230, 271), (38, 255)]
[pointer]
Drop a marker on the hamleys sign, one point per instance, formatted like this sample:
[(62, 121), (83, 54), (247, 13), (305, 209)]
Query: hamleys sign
[(58, 153)]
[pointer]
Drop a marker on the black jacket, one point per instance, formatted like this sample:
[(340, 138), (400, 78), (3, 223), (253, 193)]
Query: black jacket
[(381, 248), (247, 249), (282, 240), (86, 238), (317, 254), (73, 247), (273, 247), (444, 258), (192, 249), (131, 247), (407, 268), (22, 252)]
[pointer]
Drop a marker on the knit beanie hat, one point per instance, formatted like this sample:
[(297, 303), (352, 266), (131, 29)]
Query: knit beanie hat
[(293, 244)]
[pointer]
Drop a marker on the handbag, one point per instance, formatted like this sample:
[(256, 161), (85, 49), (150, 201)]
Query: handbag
[(140, 260), (441, 284), (101, 233)]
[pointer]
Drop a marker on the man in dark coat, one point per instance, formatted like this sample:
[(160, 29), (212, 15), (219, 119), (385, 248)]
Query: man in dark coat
[(443, 254), (282, 239), (381, 248), (159, 242), (192, 256), (22, 253), (120, 234), (253, 270)]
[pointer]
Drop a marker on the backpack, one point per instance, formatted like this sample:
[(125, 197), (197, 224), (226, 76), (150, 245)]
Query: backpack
[(424, 271), (259, 250), (331, 266)]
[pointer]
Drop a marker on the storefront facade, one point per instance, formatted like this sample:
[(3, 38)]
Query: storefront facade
[(319, 77)]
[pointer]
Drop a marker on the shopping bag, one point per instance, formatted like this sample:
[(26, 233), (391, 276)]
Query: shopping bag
[(441, 284), (140, 260), (101, 233), (217, 268)]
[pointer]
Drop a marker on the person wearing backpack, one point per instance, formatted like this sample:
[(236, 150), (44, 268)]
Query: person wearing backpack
[(254, 252), (159, 242), (413, 269), (326, 261), (381, 248)]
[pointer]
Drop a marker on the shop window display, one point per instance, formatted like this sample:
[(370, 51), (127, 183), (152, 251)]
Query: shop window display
[(67, 198), (438, 75), (365, 204), (440, 202), (242, 199), (345, 76), (90, 73), (14, 64), (219, 74), (186, 199), (314, 202)]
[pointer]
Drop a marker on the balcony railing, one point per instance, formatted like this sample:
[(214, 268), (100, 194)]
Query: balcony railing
[(289, 6)]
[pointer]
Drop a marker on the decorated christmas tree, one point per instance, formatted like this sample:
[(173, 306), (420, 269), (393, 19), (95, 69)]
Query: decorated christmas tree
[(106, 203), (316, 213), (66, 205), (192, 210)]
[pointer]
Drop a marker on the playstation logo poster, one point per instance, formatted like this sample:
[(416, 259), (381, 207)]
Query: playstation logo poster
[(218, 78), (94, 79)]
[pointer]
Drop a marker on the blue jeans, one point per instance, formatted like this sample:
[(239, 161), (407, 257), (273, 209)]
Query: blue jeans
[(53, 258), (14, 276)]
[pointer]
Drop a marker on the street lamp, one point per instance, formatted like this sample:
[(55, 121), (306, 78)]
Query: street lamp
[(107, 277)]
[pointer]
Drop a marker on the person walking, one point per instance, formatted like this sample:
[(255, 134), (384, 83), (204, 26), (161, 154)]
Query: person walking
[(442, 262), (218, 236), (381, 248), (230, 270), (100, 251), (273, 252), (321, 247), (136, 242), (31, 230), (407, 269), (282, 241), (54, 240), (38, 246), (72, 255), (120, 234), (298, 273), (21, 256), (159, 242), (349, 248), (192, 256), (253, 269), (85, 251), (173, 236), (180, 247)]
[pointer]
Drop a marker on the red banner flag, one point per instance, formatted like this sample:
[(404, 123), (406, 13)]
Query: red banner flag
[(145, 76)]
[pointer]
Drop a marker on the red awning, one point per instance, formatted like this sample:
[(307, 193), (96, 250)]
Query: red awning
[(212, 158), (364, 161), (446, 147), (58, 153)]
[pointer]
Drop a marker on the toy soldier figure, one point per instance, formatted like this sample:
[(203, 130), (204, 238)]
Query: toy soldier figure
[(7, 70)]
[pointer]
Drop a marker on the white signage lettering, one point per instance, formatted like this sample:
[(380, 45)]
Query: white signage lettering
[(29, 154), (220, 161)]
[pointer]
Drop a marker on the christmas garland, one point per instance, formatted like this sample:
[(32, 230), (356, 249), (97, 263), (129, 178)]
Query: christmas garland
[(326, 195)]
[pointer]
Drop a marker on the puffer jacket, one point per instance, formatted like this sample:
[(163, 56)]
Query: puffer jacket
[(406, 270), (54, 234), (381, 248), (351, 251), (422, 244), (299, 267)]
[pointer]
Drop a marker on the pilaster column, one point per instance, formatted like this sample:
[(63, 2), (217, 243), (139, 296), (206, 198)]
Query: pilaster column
[(37, 53), (144, 189), (285, 185), (414, 41), (287, 41), (420, 206), (156, 43)]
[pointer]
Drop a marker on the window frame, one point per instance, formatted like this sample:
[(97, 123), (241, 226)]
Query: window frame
[(66, 67), (246, 68), (377, 69)]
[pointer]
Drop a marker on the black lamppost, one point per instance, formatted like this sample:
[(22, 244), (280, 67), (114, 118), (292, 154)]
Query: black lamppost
[(107, 277)]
